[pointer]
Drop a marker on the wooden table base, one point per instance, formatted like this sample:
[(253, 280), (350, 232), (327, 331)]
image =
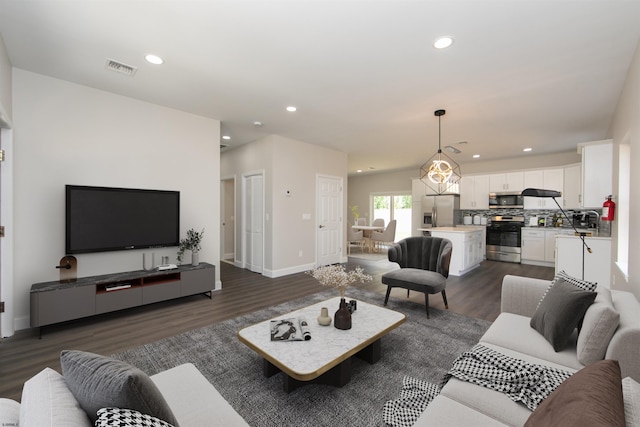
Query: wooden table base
[(337, 376)]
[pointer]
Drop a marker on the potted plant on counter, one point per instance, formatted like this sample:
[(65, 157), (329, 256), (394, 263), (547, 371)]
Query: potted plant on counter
[(191, 243)]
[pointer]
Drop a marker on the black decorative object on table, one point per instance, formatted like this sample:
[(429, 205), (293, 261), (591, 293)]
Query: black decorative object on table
[(342, 318), (352, 306)]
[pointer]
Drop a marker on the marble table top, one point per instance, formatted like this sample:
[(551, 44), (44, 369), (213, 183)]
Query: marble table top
[(329, 346)]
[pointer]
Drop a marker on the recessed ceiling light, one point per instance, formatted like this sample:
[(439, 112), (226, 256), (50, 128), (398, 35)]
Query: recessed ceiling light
[(226, 137), (526, 150), (291, 108), (443, 42), (154, 59), (359, 171), (257, 124), (475, 156)]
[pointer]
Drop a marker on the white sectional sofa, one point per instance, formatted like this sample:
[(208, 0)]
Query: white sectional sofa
[(48, 401), (464, 404)]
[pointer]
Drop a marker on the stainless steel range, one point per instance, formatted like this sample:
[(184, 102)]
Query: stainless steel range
[(503, 238)]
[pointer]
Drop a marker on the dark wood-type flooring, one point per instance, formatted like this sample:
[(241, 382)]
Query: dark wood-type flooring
[(476, 294)]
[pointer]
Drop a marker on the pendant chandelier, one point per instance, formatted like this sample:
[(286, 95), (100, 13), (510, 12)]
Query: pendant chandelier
[(440, 172)]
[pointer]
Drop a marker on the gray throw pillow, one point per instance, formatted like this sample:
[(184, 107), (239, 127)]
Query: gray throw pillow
[(560, 311), (98, 382)]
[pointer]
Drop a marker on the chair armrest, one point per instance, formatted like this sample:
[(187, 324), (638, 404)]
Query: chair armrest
[(520, 295)]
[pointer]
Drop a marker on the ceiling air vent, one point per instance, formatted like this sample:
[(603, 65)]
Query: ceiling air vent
[(119, 67)]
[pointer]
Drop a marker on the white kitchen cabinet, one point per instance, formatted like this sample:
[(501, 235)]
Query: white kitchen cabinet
[(533, 246), (597, 264), (538, 245), (572, 194), (474, 192), (505, 182), (597, 172), (548, 179)]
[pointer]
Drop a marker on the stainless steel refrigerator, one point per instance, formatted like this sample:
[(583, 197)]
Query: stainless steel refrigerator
[(442, 210)]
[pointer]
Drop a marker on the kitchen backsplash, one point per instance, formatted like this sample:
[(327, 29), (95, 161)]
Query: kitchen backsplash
[(604, 226)]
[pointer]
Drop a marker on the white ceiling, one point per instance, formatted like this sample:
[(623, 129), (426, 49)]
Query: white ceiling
[(363, 74)]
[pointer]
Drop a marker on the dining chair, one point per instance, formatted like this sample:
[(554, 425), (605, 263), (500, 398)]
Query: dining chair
[(388, 236), (355, 238), (378, 222), (362, 221)]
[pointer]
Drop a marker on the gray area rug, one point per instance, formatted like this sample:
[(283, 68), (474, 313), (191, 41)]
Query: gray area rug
[(421, 348)]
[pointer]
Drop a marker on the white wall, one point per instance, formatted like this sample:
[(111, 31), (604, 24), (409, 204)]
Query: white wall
[(70, 134), (296, 166), (5, 86), (626, 124), (287, 165)]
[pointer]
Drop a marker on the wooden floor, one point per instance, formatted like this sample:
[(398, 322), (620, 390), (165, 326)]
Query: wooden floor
[(476, 294)]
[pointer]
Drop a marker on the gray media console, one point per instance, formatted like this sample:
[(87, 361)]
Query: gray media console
[(55, 302)]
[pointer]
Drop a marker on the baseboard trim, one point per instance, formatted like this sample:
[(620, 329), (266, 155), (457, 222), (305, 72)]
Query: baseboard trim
[(287, 271)]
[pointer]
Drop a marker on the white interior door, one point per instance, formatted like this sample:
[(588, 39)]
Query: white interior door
[(329, 231), (254, 223)]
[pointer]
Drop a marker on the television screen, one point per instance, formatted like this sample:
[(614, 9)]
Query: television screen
[(102, 219)]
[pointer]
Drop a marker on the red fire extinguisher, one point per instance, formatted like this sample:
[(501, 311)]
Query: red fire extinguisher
[(608, 209)]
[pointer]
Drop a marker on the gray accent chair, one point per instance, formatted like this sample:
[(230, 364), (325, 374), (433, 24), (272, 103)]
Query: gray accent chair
[(424, 267)]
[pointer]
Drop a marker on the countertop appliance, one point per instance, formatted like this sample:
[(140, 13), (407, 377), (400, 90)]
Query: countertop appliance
[(506, 200), (504, 239), (585, 220), (441, 210)]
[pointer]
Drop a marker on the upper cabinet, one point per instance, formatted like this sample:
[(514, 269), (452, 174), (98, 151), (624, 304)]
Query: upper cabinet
[(548, 179), (572, 194), (510, 181), (474, 192), (597, 172)]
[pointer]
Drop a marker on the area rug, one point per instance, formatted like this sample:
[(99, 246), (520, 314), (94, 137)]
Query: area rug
[(375, 256), (421, 348)]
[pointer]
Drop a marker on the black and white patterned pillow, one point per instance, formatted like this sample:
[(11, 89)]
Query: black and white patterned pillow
[(582, 284), (116, 417)]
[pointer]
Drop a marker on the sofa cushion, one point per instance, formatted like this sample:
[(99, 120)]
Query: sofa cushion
[(9, 412), (591, 397), (117, 417), (194, 400), (98, 382), (47, 401), (443, 411), (599, 324), (631, 397), (513, 332), (560, 311)]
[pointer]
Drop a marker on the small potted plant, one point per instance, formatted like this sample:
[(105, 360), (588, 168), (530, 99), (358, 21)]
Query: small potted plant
[(356, 214), (191, 243)]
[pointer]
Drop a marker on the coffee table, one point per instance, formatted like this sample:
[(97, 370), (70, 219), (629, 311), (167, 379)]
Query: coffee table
[(326, 358)]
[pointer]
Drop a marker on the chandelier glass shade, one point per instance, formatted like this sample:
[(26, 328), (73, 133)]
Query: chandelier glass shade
[(441, 173)]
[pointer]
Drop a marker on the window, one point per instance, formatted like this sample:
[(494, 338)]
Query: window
[(394, 206)]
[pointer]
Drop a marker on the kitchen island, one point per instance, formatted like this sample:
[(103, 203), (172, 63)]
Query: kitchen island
[(468, 244)]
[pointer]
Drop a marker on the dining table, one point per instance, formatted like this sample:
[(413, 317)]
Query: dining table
[(366, 231)]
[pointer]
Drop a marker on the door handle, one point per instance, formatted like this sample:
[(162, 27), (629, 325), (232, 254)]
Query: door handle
[(321, 226)]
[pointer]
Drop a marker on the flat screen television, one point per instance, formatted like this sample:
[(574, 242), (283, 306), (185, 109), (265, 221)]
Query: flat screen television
[(100, 219)]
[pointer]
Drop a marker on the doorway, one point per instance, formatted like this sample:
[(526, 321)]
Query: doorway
[(228, 223), (329, 235), (253, 222)]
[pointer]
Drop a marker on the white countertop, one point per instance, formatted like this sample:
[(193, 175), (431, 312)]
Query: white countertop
[(456, 229), (569, 236), (569, 231)]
